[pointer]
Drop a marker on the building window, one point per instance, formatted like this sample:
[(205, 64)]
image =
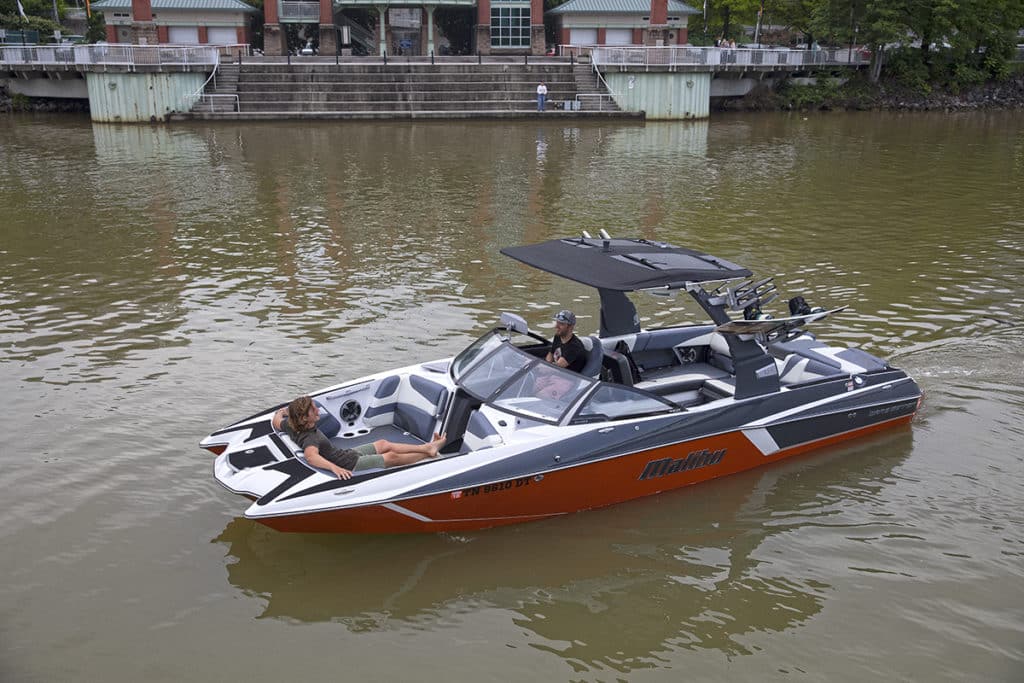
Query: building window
[(510, 23)]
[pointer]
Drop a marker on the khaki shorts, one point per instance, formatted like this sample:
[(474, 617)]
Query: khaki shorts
[(368, 458)]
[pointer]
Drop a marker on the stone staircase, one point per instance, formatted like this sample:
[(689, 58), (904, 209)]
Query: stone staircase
[(222, 88), (594, 96), (279, 90)]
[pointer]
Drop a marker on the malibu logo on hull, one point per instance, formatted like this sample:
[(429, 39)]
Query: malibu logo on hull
[(693, 461)]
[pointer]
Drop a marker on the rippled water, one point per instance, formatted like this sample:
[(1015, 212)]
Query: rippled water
[(157, 283)]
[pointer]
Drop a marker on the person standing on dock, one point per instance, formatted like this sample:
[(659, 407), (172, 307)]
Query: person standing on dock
[(542, 96)]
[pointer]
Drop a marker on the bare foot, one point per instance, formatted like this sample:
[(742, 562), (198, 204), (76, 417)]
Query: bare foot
[(437, 443)]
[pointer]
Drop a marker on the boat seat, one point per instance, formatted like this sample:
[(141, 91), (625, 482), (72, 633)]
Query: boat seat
[(689, 377), (714, 389), (805, 359), (595, 356), (719, 353), (480, 433), (411, 403), (328, 424), (618, 368)]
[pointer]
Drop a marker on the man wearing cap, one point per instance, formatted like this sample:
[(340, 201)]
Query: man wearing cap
[(566, 348)]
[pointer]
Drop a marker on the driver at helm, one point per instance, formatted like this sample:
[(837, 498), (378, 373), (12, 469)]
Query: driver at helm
[(566, 348)]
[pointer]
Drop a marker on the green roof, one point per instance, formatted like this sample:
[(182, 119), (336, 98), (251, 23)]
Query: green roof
[(203, 5), (618, 7)]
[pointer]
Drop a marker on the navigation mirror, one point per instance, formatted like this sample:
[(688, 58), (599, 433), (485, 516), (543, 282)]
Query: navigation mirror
[(514, 323)]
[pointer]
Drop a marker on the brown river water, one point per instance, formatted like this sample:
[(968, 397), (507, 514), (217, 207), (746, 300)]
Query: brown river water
[(161, 282)]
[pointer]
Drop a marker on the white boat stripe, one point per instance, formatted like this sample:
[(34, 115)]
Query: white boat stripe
[(762, 439), (407, 512)]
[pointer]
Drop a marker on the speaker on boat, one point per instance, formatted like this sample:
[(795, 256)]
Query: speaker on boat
[(350, 411)]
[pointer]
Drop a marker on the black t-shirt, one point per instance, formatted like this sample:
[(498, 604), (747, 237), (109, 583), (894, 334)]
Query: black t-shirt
[(342, 457), (572, 351)]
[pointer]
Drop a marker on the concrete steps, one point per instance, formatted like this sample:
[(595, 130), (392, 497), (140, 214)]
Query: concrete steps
[(222, 88), (375, 90), (595, 96)]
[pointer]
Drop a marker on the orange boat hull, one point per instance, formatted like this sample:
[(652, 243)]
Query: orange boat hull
[(561, 491)]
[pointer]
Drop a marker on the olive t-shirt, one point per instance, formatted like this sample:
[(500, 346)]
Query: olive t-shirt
[(342, 457)]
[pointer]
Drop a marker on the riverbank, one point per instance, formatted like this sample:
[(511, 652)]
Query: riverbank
[(861, 95), (10, 103), (855, 95)]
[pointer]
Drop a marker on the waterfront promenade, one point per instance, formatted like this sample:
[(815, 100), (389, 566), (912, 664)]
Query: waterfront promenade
[(154, 83)]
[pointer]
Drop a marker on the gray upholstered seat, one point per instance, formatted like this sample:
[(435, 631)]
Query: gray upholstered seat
[(595, 355)]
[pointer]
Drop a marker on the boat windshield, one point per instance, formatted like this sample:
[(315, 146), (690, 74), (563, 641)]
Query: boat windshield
[(475, 351), (512, 380)]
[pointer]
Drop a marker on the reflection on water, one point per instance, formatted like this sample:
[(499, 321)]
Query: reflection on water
[(695, 569), (156, 283)]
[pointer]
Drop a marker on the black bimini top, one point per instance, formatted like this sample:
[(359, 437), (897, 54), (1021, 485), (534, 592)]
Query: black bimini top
[(625, 265)]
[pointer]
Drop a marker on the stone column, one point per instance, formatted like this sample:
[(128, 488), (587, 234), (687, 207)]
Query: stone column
[(328, 32), (274, 40), (429, 10), (538, 43), (382, 28), (658, 29), (143, 29), (483, 27)]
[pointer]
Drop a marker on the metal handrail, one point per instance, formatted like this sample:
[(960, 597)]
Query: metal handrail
[(301, 10), (194, 97), (600, 77), (683, 55), (600, 98), (122, 54)]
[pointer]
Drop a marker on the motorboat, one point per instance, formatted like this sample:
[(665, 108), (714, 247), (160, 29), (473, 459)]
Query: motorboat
[(652, 409)]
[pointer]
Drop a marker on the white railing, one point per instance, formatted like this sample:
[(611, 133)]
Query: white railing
[(601, 97), (212, 98), (200, 95), (122, 54), (298, 11), (723, 58), (233, 49)]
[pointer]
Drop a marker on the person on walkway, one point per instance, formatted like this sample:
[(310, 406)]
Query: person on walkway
[(298, 420), (566, 348), (542, 96)]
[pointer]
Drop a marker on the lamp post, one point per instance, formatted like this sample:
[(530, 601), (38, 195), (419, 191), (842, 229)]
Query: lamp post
[(757, 27)]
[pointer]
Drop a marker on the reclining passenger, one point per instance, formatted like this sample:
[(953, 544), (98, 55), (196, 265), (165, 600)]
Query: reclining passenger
[(299, 419)]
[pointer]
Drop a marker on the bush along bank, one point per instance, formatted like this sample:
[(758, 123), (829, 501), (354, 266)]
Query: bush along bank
[(859, 94), (13, 102)]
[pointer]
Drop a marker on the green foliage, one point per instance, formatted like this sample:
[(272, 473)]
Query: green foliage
[(955, 42), (46, 27), (906, 67), (965, 76), (809, 96), (97, 28)]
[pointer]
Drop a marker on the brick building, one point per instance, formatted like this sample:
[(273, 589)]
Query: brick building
[(587, 23), (179, 22)]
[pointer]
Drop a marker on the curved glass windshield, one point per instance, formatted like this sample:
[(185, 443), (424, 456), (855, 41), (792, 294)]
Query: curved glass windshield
[(511, 379), (544, 391), (478, 349), (616, 402)]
